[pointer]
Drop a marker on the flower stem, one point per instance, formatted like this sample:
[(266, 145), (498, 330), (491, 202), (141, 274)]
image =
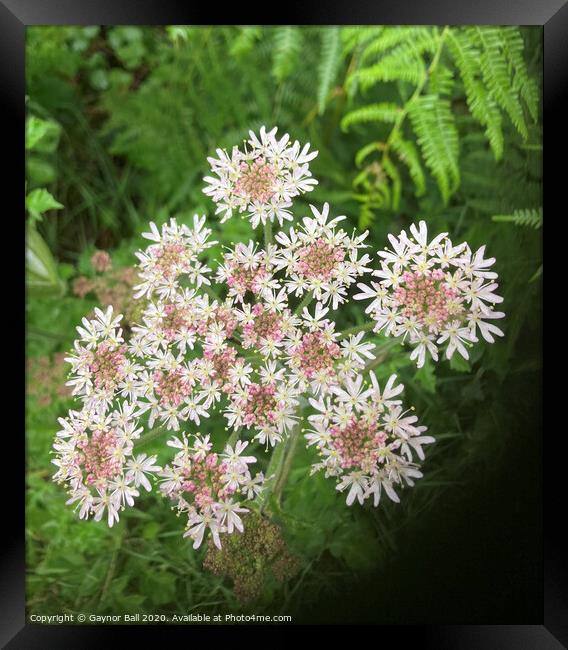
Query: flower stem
[(305, 302), (286, 466), (358, 328), (233, 437), (273, 470), (151, 435), (267, 233)]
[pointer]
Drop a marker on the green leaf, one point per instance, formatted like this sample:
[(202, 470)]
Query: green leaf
[(426, 377), (329, 63), (42, 135), (382, 112), (39, 201), (458, 363), (41, 270)]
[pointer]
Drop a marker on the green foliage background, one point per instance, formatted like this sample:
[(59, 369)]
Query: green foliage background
[(410, 122)]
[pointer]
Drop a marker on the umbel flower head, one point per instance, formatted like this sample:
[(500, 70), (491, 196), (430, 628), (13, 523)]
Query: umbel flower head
[(207, 486), (365, 439), (433, 294), (253, 338), (262, 180), (95, 457)]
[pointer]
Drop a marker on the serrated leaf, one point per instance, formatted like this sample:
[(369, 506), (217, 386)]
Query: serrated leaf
[(39, 201)]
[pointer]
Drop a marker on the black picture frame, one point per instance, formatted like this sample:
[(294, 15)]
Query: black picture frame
[(15, 15)]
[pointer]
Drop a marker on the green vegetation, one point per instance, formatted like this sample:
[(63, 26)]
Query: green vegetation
[(438, 123)]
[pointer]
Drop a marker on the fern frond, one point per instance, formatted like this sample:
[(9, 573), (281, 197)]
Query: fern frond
[(355, 37), (530, 218), (513, 46), (365, 151), (394, 36), (329, 63), (287, 45), (382, 112), (436, 133), (408, 154), (441, 81), (467, 59), (396, 66), (497, 76)]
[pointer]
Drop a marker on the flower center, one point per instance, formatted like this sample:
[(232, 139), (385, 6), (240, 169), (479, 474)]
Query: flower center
[(175, 320), (171, 386), (315, 354), (203, 481), (425, 297), (169, 258), (319, 260), (256, 181), (259, 405), (107, 365), (357, 443), (266, 325), (242, 279), (98, 458), (222, 364)]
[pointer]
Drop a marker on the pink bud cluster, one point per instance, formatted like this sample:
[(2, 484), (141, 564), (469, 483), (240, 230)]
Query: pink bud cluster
[(256, 181), (314, 354), (107, 365), (99, 457), (171, 386), (265, 325), (319, 260), (358, 443), (423, 295), (259, 404)]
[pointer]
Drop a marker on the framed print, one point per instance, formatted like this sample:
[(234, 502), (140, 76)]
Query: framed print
[(284, 321)]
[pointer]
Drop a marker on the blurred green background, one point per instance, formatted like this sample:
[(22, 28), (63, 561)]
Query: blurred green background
[(441, 124)]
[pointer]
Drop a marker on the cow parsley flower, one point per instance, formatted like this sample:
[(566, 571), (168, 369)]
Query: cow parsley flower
[(94, 457), (262, 180), (209, 487), (321, 258), (365, 440), (433, 294)]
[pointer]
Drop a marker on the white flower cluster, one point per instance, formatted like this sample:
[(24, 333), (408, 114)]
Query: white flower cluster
[(262, 180), (206, 486), (433, 293), (95, 458), (365, 439), (253, 338)]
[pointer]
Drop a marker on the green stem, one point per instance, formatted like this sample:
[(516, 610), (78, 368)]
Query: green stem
[(149, 437), (267, 233), (357, 328), (211, 293), (273, 470), (233, 437), (286, 466), (305, 302)]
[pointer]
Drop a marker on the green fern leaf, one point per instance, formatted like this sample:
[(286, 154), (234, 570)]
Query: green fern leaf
[(329, 64), (528, 217), (383, 112), (287, 45), (408, 154), (436, 133), (467, 59), (497, 76), (396, 35)]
